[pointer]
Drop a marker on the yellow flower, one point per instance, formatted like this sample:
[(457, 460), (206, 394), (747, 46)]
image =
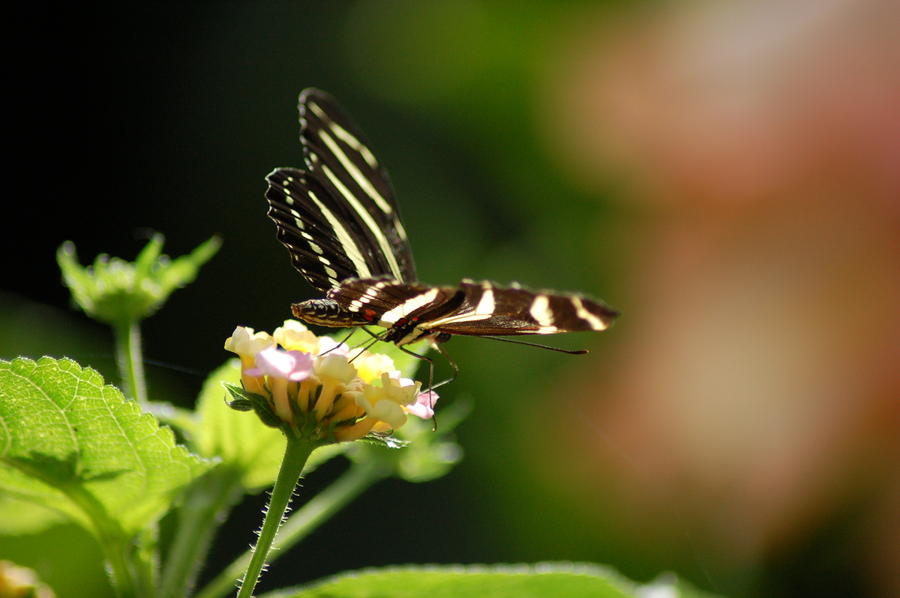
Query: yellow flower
[(336, 368), (334, 372), (386, 403), (370, 366), (21, 582), (247, 344), (294, 336)]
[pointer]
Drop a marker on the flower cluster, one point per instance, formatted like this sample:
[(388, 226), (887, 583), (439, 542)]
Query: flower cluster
[(318, 387)]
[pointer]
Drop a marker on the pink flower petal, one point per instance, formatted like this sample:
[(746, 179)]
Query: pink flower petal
[(424, 405), (291, 365)]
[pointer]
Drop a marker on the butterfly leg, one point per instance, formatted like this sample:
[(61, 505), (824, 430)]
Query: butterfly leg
[(423, 358), (366, 345), (440, 349), (431, 385), (341, 342)]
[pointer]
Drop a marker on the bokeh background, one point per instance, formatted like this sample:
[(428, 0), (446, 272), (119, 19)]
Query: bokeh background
[(725, 174)]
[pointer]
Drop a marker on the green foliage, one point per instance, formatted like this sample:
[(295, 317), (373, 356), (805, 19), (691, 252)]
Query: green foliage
[(18, 517), (542, 580), (115, 291), (76, 446), (236, 438), (562, 580), (76, 560)]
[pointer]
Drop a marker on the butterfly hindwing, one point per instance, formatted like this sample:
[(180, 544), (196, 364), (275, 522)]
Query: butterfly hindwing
[(473, 308), (488, 309), (388, 302)]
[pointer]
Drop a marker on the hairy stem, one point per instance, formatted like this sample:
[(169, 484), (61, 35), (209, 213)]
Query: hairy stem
[(303, 522), (295, 455)]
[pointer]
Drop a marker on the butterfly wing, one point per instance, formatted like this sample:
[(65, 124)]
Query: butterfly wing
[(487, 309), (338, 216)]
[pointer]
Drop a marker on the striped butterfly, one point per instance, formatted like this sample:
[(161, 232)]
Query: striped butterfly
[(338, 219)]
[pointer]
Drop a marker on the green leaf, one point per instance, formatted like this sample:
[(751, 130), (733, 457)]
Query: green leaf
[(117, 292), (77, 446), (183, 421), (19, 517), (239, 438), (552, 580), (243, 400)]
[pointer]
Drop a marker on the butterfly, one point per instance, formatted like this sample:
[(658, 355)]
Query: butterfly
[(337, 216)]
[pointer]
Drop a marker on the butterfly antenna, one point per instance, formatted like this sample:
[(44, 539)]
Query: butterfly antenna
[(539, 346)]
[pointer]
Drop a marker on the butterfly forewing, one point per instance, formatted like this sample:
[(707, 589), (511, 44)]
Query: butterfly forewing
[(319, 238), (336, 152), (338, 217)]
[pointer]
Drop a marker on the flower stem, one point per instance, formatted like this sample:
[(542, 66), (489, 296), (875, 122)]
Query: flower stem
[(303, 522), (123, 579), (120, 559), (204, 507), (130, 360), (295, 455)]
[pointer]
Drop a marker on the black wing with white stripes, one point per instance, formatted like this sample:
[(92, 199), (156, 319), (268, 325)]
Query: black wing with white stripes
[(337, 216)]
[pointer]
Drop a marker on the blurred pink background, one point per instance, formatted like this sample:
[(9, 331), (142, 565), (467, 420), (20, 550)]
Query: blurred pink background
[(757, 398)]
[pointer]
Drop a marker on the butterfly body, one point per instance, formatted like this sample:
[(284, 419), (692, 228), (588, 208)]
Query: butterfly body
[(339, 221), (326, 312)]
